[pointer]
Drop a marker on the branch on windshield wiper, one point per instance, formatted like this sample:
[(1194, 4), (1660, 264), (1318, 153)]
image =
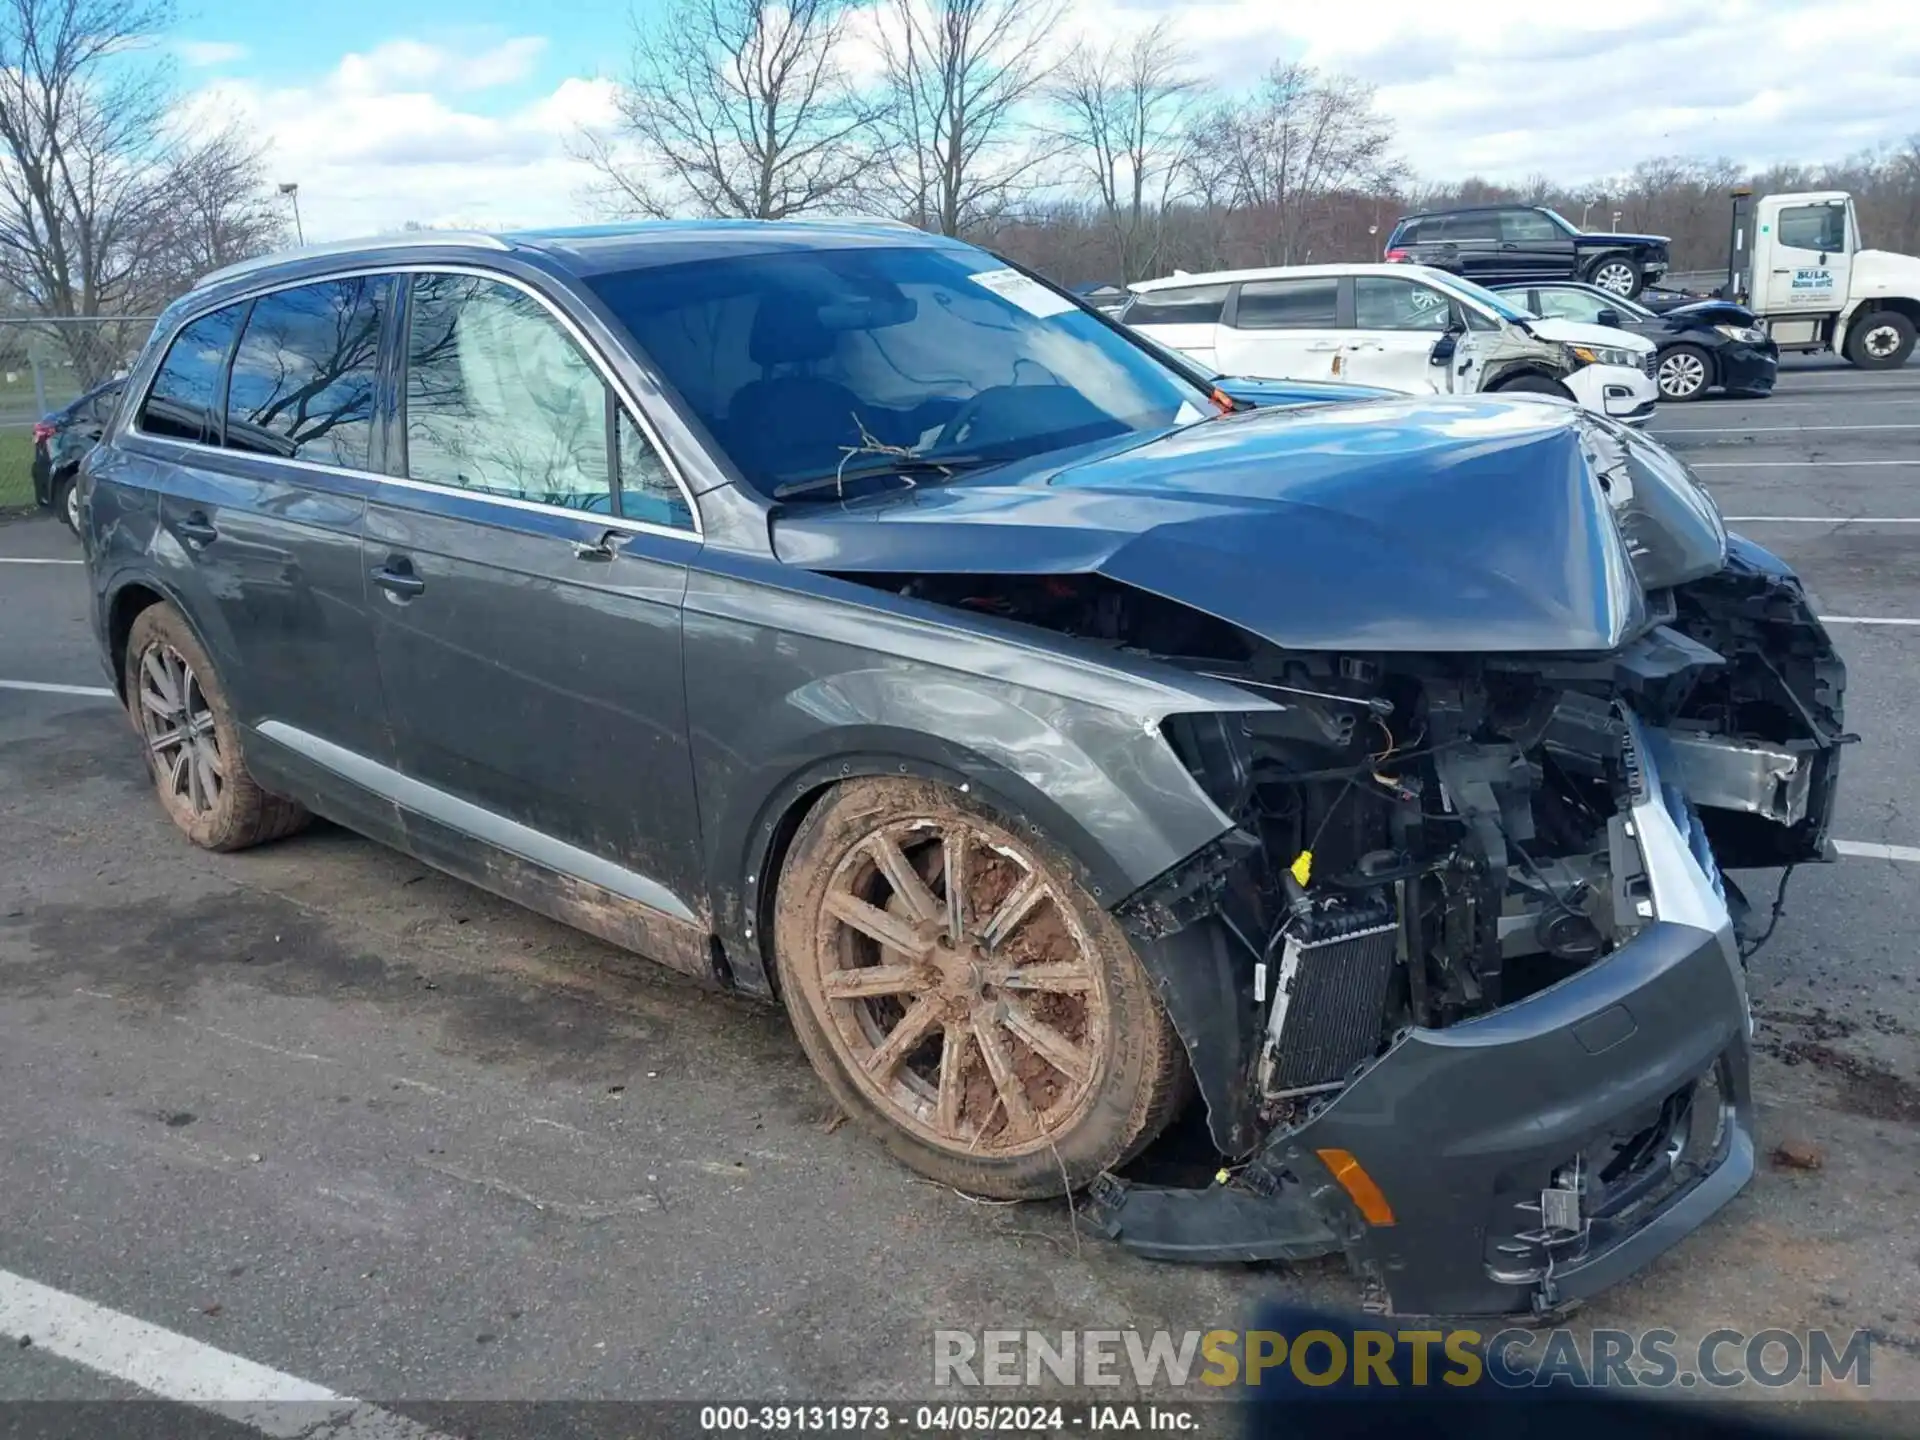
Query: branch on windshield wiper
[(892, 460)]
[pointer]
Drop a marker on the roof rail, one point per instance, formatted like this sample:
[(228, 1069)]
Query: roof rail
[(407, 240), (888, 222)]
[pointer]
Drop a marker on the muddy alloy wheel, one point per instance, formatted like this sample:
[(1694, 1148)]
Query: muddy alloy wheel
[(192, 747), (964, 997)]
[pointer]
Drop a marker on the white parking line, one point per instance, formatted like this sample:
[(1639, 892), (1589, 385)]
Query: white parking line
[(1867, 850), (1822, 519), (28, 560), (1776, 429), (1864, 620), (178, 1367), (47, 687), (1792, 464)]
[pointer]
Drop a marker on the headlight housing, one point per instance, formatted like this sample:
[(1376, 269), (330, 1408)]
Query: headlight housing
[(1578, 355), (1745, 334)]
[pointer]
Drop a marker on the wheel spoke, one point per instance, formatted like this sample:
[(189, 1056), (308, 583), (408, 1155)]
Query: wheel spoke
[(1021, 1121), (196, 781), (954, 848), (1048, 1043), (904, 879), (914, 1027), (178, 772), (1013, 910), (869, 981), (209, 757), (155, 666), (953, 1069), (156, 703), (1056, 977), (890, 932), (171, 736)]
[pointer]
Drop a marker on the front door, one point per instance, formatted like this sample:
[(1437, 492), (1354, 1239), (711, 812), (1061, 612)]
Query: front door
[(1286, 330), (1396, 325), (1532, 247), (1812, 262), (526, 588)]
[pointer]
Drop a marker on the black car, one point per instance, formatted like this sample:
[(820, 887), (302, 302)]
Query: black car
[(61, 440), (1704, 345), (847, 618), (1497, 243)]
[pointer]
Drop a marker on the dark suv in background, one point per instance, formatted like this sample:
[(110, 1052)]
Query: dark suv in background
[(1496, 243)]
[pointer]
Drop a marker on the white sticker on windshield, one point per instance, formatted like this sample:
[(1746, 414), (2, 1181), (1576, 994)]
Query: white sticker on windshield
[(1029, 295)]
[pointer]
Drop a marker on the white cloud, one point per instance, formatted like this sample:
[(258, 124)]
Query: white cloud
[(399, 63), (201, 53)]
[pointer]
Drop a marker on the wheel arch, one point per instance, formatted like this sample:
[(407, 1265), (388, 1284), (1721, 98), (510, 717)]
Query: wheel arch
[(1504, 375), (126, 599), (1906, 305)]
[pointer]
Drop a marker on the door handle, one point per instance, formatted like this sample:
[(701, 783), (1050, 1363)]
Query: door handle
[(599, 550), (1366, 345), (1783, 269), (396, 577), (196, 529), (1322, 349), (1508, 245)]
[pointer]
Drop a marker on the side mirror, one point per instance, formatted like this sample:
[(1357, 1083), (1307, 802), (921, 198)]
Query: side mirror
[(1444, 347), (1609, 317)]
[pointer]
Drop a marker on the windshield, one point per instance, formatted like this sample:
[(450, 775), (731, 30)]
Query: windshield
[(815, 364), (1481, 296)]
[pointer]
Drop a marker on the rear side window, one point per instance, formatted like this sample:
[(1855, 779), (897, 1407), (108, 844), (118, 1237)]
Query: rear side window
[(1412, 232), (1178, 305), (181, 401), (1289, 304), (306, 371), (1527, 227), (1814, 227), (1485, 226)]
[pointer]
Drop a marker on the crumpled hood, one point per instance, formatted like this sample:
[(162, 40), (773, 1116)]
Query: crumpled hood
[(1577, 332), (1430, 524)]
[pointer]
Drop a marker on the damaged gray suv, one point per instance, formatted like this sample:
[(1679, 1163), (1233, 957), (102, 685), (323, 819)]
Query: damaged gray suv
[(1061, 735)]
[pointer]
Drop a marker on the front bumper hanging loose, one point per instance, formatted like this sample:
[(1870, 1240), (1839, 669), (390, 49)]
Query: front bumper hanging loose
[(1530, 1157)]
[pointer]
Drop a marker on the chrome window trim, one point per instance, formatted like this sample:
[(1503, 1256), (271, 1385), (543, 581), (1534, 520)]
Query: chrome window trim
[(588, 348)]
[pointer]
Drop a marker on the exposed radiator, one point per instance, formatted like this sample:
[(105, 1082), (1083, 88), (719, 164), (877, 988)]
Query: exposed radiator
[(1329, 1001)]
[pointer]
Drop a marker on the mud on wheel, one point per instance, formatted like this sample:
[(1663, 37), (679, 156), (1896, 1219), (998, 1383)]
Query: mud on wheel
[(192, 746), (963, 996)]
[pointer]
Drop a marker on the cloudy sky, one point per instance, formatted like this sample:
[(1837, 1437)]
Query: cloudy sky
[(460, 113)]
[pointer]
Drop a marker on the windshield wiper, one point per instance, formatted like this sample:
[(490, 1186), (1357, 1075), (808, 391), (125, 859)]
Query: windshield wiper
[(905, 466)]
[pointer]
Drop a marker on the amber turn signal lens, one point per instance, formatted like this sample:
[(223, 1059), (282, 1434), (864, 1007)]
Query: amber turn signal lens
[(1356, 1182)]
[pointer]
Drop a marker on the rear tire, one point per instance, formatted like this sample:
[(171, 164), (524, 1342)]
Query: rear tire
[(1011, 1045), (1619, 275), (1880, 341), (1685, 372), (66, 500), (192, 745)]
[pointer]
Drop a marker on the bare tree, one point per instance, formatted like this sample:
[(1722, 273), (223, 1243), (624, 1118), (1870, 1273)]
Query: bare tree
[(219, 209), (738, 108), (1125, 113), (958, 150)]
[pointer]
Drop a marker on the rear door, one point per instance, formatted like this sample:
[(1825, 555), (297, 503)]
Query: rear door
[(1396, 324), (1184, 318), (1472, 246), (265, 412), (1532, 247), (1812, 263), (1286, 329), (528, 568)]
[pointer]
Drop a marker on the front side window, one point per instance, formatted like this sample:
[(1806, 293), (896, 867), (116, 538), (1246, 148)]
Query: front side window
[(306, 372), (1384, 303), (1527, 227), (182, 401), (1178, 305), (808, 366), (1814, 227), (500, 400), (1306, 304)]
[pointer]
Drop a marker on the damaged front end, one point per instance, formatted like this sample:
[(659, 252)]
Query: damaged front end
[(1464, 990)]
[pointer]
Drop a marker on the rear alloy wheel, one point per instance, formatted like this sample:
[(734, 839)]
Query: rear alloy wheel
[(192, 748), (1684, 373), (1881, 341), (66, 501), (1618, 276), (963, 996)]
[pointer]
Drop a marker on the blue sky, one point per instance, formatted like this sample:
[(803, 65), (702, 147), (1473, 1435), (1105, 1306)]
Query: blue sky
[(387, 111)]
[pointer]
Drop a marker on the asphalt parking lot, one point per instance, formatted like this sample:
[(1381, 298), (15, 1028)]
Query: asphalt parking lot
[(321, 1108)]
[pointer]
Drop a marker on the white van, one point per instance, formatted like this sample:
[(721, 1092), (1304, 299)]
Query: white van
[(1401, 327)]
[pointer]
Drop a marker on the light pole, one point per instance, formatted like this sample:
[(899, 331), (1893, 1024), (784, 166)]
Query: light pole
[(291, 189)]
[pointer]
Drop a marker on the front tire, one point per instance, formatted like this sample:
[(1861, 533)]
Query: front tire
[(1619, 275), (964, 998), (1685, 373), (1880, 341), (180, 709), (1532, 385)]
